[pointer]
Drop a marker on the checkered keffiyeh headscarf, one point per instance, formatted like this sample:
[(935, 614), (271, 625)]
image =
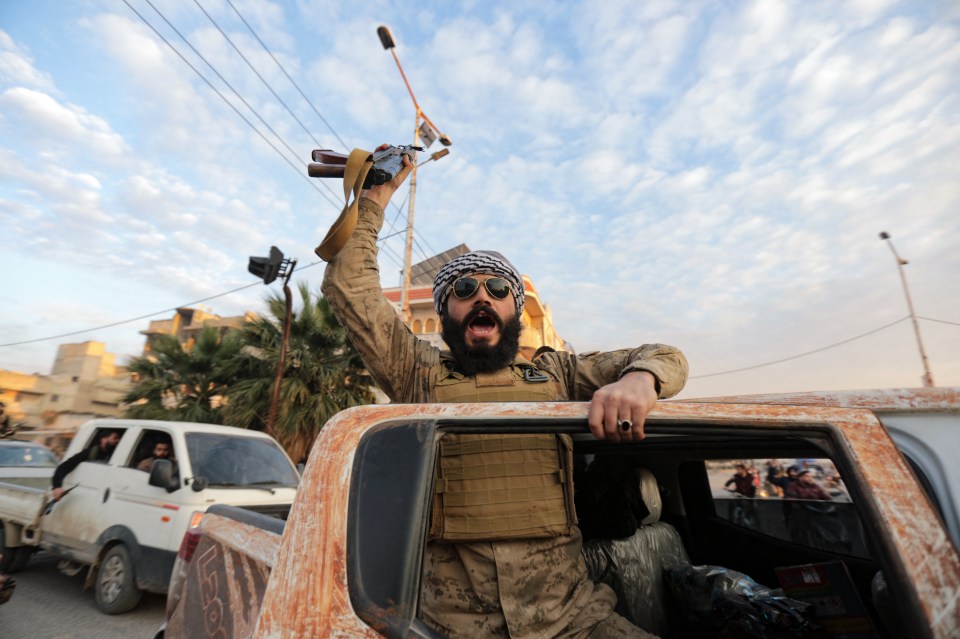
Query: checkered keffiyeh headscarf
[(476, 263)]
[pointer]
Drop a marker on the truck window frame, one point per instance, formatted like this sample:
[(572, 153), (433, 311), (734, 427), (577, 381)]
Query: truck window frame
[(94, 439), (392, 485), (149, 434)]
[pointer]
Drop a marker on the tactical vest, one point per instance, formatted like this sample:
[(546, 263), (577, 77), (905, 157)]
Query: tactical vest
[(500, 487)]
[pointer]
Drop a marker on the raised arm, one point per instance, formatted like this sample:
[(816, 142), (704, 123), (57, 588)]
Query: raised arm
[(351, 284)]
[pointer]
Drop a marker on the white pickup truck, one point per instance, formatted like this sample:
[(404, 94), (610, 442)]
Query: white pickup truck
[(125, 524)]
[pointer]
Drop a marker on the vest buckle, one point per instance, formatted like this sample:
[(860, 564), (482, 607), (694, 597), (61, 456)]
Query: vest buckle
[(532, 375)]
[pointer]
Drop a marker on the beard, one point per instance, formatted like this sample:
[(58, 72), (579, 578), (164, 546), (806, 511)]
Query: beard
[(482, 359)]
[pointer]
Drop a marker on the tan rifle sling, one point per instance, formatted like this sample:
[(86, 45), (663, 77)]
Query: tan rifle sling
[(359, 163)]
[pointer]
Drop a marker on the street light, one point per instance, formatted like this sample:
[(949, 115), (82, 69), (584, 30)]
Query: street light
[(430, 133), (269, 269), (927, 375)]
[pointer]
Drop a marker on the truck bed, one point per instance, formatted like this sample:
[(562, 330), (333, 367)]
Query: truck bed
[(350, 561), (22, 499)]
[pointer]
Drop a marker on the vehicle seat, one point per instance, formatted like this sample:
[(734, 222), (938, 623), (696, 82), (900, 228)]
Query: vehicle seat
[(634, 566)]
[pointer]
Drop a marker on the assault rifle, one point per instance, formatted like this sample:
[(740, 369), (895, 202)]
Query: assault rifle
[(386, 164)]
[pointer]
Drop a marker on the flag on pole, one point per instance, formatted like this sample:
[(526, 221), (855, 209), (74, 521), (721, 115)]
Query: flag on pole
[(427, 134)]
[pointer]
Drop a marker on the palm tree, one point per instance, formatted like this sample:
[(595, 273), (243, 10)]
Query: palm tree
[(323, 374), (182, 384)]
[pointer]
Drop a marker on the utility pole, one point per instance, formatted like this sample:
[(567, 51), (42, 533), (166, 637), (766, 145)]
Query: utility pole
[(269, 269), (430, 133), (927, 375)]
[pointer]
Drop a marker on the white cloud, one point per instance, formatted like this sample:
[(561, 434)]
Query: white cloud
[(52, 125), (710, 176), (17, 68)]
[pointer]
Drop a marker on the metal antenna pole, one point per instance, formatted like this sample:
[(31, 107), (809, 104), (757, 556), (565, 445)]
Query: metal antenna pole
[(386, 39), (927, 375)]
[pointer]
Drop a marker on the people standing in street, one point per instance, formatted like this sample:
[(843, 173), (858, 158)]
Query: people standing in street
[(743, 482), (806, 487), (6, 429)]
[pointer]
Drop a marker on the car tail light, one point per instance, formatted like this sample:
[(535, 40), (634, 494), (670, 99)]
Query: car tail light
[(189, 544), (195, 519)]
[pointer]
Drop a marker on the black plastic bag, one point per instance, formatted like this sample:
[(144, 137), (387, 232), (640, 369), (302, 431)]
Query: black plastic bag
[(724, 603)]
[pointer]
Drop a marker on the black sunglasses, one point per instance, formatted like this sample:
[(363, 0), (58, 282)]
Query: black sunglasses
[(466, 287)]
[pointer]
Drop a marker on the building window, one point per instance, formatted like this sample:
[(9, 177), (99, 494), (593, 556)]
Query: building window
[(74, 379), (431, 326), (54, 398), (417, 327)]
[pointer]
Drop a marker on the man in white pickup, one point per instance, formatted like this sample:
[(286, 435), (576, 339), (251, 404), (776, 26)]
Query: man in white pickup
[(161, 450), (99, 452)]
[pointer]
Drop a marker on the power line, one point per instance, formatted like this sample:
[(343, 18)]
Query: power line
[(222, 79), (787, 359), (270, 53), (393, 255), (423, 253), (127, 321), (298, 170), (390, 252), (930, 319), (257, 73), (226, 82), (143, 317)]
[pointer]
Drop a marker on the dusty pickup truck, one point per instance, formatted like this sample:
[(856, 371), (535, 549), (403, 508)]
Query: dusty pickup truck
[(123, 523), (872, 557)]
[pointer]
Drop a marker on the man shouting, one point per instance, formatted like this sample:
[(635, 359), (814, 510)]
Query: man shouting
[(510, 566)]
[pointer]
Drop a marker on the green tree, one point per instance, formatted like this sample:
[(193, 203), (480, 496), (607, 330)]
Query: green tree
[(183, 385), (323, 373)]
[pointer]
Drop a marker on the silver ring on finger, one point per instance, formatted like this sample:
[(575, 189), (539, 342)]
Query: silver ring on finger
[(624, 424)]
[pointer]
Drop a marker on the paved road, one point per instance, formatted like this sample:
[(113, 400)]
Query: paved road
[(49, 605)]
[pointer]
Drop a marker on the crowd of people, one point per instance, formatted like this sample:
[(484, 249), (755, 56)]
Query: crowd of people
[(803, 479)]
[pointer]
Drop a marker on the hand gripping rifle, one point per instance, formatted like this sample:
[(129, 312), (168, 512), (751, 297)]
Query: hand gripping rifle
[(386, 164), (360, 170), (53, 502)]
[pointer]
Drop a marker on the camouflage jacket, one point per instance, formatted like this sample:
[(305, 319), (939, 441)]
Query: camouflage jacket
[(406, 368)]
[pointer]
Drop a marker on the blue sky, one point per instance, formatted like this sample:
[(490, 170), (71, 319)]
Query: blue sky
[(709, 175)]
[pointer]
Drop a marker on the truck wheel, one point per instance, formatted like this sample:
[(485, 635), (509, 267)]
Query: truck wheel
[(116, 589), (14, 559)]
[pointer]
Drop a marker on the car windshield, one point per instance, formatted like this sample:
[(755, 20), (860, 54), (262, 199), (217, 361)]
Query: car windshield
[(229, 460), (37, 456)]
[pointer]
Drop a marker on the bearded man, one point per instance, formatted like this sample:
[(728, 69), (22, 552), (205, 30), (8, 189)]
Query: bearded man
[(509, 567), (101, 451)]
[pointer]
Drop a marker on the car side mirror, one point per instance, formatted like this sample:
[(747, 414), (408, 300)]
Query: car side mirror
[(162, 475)]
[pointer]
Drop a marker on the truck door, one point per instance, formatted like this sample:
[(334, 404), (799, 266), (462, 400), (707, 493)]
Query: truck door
[(78, 518), (147, 511)]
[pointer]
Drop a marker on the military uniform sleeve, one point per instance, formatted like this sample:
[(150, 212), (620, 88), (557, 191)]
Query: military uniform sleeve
[(351, 283), (584, 374)]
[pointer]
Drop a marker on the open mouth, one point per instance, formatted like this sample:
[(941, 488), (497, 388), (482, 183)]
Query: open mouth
[(482, 325)]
